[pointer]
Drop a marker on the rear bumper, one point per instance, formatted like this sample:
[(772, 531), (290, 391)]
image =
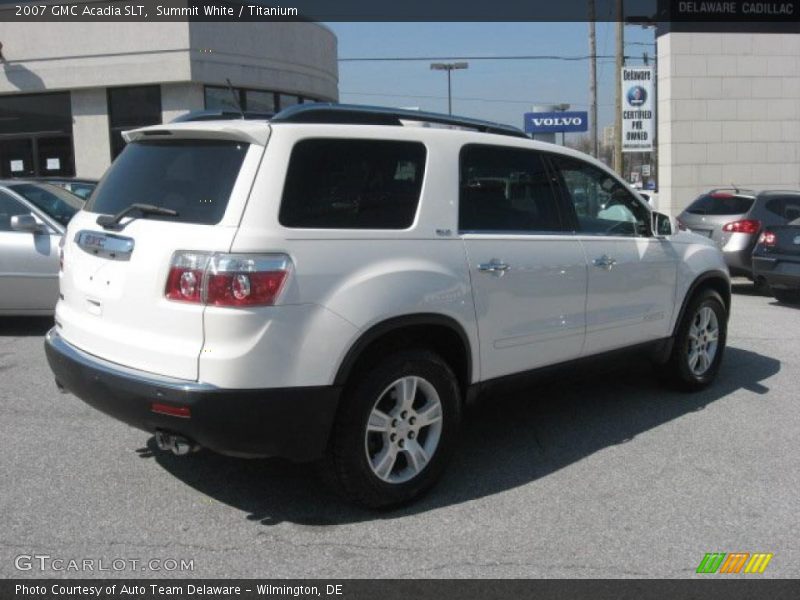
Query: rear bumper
[(738, 252), (774, 273), (292, 423)]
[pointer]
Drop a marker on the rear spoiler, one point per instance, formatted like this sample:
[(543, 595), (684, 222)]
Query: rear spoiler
[(249, 132)]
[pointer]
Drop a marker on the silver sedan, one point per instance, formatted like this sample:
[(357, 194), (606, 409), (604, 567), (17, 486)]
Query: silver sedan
[(33, 218)]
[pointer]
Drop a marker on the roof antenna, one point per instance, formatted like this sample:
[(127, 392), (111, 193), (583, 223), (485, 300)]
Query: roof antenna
[(735, 187), (235, 97)]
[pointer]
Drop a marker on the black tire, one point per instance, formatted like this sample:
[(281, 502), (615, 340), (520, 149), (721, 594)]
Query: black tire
[(677, 372), (347, 465), (787, 296)]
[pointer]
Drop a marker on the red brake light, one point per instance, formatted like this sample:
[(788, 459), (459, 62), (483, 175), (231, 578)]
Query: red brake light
[(768, 239), (183, 412), (227, 279), (721, 195), (743, 226)]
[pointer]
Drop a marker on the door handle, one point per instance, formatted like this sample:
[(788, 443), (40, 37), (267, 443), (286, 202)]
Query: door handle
[(605, 262), (495, 267)]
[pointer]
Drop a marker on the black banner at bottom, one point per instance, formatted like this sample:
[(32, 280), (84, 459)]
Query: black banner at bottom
[(389, 589)]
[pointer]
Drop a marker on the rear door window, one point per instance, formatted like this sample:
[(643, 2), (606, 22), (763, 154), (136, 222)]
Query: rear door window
[(505, 190), (353, 184), (193, 177), (720, 204)]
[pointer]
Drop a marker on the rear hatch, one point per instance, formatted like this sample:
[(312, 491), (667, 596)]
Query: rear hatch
[(709, 213), (113, 302), (787, 240)]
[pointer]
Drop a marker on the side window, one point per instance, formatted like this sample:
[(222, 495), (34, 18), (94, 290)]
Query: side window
[(505, 190), (787, 209), (602, 204), (353, 184), (9, 207)]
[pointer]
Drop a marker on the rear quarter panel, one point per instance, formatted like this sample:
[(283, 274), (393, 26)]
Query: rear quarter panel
[(344, 282)]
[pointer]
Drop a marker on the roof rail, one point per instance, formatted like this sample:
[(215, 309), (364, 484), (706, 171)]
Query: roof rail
[(356, 114)]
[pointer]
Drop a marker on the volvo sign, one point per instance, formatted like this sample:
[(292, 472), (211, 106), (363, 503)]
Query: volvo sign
[(556, 122)]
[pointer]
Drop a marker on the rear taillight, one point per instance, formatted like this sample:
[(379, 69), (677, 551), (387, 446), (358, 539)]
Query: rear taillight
[(743, 226), (185, 279), (227, 279), (768, 239)]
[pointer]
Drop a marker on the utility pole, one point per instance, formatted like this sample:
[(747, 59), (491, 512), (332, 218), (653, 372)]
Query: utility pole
[(593, 80), (618, 166)]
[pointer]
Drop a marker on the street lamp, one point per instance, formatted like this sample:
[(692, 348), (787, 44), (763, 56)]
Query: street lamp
[(449, 67)]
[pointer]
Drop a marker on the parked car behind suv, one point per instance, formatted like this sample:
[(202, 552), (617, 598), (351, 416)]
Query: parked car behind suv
[(734, 219), (33, 217), (776, 258), (334, 283)]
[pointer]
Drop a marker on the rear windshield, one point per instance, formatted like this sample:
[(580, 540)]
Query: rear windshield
[(192, 177), (720, 205), (353, 184), (57, 203)]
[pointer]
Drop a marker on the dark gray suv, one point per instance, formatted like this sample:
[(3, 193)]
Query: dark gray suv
[(734, 218)]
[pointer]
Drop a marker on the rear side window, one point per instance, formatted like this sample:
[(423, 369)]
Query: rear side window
[(720, 204), (192, 177), (787, 209), (353, 184), (505, 190)]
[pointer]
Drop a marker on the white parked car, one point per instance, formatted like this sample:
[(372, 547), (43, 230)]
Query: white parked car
[(334, 283)]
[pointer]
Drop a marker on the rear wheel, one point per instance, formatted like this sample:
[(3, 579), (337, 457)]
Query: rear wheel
[(699, 343), (787, 296), (395, 429)]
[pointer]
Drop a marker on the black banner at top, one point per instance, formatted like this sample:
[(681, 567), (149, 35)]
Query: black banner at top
[(777, 14)]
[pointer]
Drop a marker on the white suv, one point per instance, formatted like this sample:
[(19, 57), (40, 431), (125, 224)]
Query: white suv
[(336, 282)]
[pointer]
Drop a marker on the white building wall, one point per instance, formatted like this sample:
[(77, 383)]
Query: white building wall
[(728, 113), (90, 135)]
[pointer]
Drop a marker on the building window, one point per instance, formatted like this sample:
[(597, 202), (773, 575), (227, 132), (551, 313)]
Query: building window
[(36, 135), (129, 108), (257, 101)]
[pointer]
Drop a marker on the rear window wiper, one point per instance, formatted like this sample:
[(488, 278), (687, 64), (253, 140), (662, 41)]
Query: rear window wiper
[(112, 221)]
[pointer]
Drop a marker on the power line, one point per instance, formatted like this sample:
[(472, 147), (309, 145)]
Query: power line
[(505, 57), (460, 98)]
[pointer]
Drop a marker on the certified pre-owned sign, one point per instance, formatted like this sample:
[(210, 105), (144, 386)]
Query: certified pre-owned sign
[(555, 122), (637, 109)]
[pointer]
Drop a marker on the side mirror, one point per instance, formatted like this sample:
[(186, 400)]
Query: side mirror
[(26, 223), (662, 224)]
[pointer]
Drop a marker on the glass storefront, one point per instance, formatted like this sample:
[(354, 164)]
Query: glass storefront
[(222, 98), (36, 135), (129, 108)]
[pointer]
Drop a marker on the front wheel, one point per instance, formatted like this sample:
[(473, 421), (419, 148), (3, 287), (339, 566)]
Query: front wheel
[(699, 343), (395, 429)]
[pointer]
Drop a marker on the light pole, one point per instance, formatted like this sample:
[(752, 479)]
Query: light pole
[(449, 67), (563, 107)]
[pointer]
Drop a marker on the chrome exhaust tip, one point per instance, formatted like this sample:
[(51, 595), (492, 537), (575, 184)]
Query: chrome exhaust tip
[(177, 444)]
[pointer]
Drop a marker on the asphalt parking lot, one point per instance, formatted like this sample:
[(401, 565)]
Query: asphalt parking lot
[(595, 474)]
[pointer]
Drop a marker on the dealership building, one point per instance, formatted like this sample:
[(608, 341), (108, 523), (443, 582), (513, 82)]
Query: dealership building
[(68, 90), (728, 110)]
